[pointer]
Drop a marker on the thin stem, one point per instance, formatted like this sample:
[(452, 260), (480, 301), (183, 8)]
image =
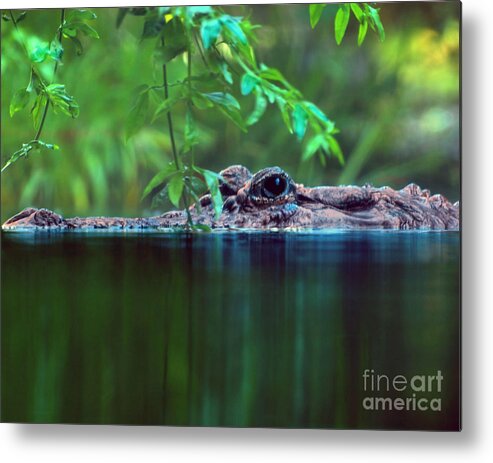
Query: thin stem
[(45, 110), (170, 119), (47, 105), (172, 138), (202, 55), (189, 75), (17, 29), (223, 59)]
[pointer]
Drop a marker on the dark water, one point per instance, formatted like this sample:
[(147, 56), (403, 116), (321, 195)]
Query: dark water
[(228, 329)]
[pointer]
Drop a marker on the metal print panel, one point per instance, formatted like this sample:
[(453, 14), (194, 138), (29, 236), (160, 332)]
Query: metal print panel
[(243, 216)]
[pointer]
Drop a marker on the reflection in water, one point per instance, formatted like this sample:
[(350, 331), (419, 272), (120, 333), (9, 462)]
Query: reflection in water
[(227, 329)]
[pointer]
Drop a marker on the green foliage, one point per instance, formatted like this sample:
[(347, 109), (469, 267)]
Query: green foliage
[(223, 43), (209, 31), (259, 110), (365, 14), (175, 189), (39, 90), (26, 148), (316, 11), (76, 24), (60, 100), (159, 178), (406, 87), (212, 180), (176, 29), (300, 121), (138, 113), (248, 83), (341, 22), (374, 20), (19, 101)]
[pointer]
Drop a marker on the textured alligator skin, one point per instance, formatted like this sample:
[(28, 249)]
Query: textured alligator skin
[(271, 199)]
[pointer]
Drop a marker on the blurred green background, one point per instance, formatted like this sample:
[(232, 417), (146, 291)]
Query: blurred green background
[(396, 104)]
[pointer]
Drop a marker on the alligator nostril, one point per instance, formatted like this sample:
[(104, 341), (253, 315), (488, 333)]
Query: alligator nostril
[(274, 186)]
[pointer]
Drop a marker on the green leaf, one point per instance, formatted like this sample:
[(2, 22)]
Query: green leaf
[(175, 33), (209, 31), (23, 152), (26, 149), (86, 30), (35, 83), (225, 72), (165, 107), (39, 53), (300, 121), (153, 26), (336, 149), (175, 189), (122, 12), (61, 100), (38, 109), (166, 53), (376, 23), (78, 45), (341, 22), (21, 17), (56, 50), (316, 111), (225, 102), (201, 227), (68, 31), (363, 29), (190, 134), (358, 12), (315, 13), (19, 101), (233, 25), (80, 15), (313, 145), (71, 29), (17, 20), (248, 83), (272, 74), (259, 110), (159, 178), (212, 180), (283, 107), (42, 144), (235, 116), (138, 114), (224, 99), (201, 102)]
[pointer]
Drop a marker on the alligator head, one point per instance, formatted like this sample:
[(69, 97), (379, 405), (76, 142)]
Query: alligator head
[(271, 199)]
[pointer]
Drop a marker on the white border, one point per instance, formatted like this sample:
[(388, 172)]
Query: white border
[(49, 443)]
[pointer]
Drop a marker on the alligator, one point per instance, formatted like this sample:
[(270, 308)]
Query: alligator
[(270, 199)]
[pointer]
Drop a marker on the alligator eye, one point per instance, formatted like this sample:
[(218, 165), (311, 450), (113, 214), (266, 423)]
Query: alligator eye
[(274, 186)]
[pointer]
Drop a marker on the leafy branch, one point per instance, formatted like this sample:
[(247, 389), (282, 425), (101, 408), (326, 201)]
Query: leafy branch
[(365, 14), (39, 94), (227, 64)]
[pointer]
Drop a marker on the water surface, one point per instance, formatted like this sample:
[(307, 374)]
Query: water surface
[(226, 329)]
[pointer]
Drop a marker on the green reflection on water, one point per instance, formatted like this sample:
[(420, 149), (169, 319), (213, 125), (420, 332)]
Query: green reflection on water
[(243, 329)]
